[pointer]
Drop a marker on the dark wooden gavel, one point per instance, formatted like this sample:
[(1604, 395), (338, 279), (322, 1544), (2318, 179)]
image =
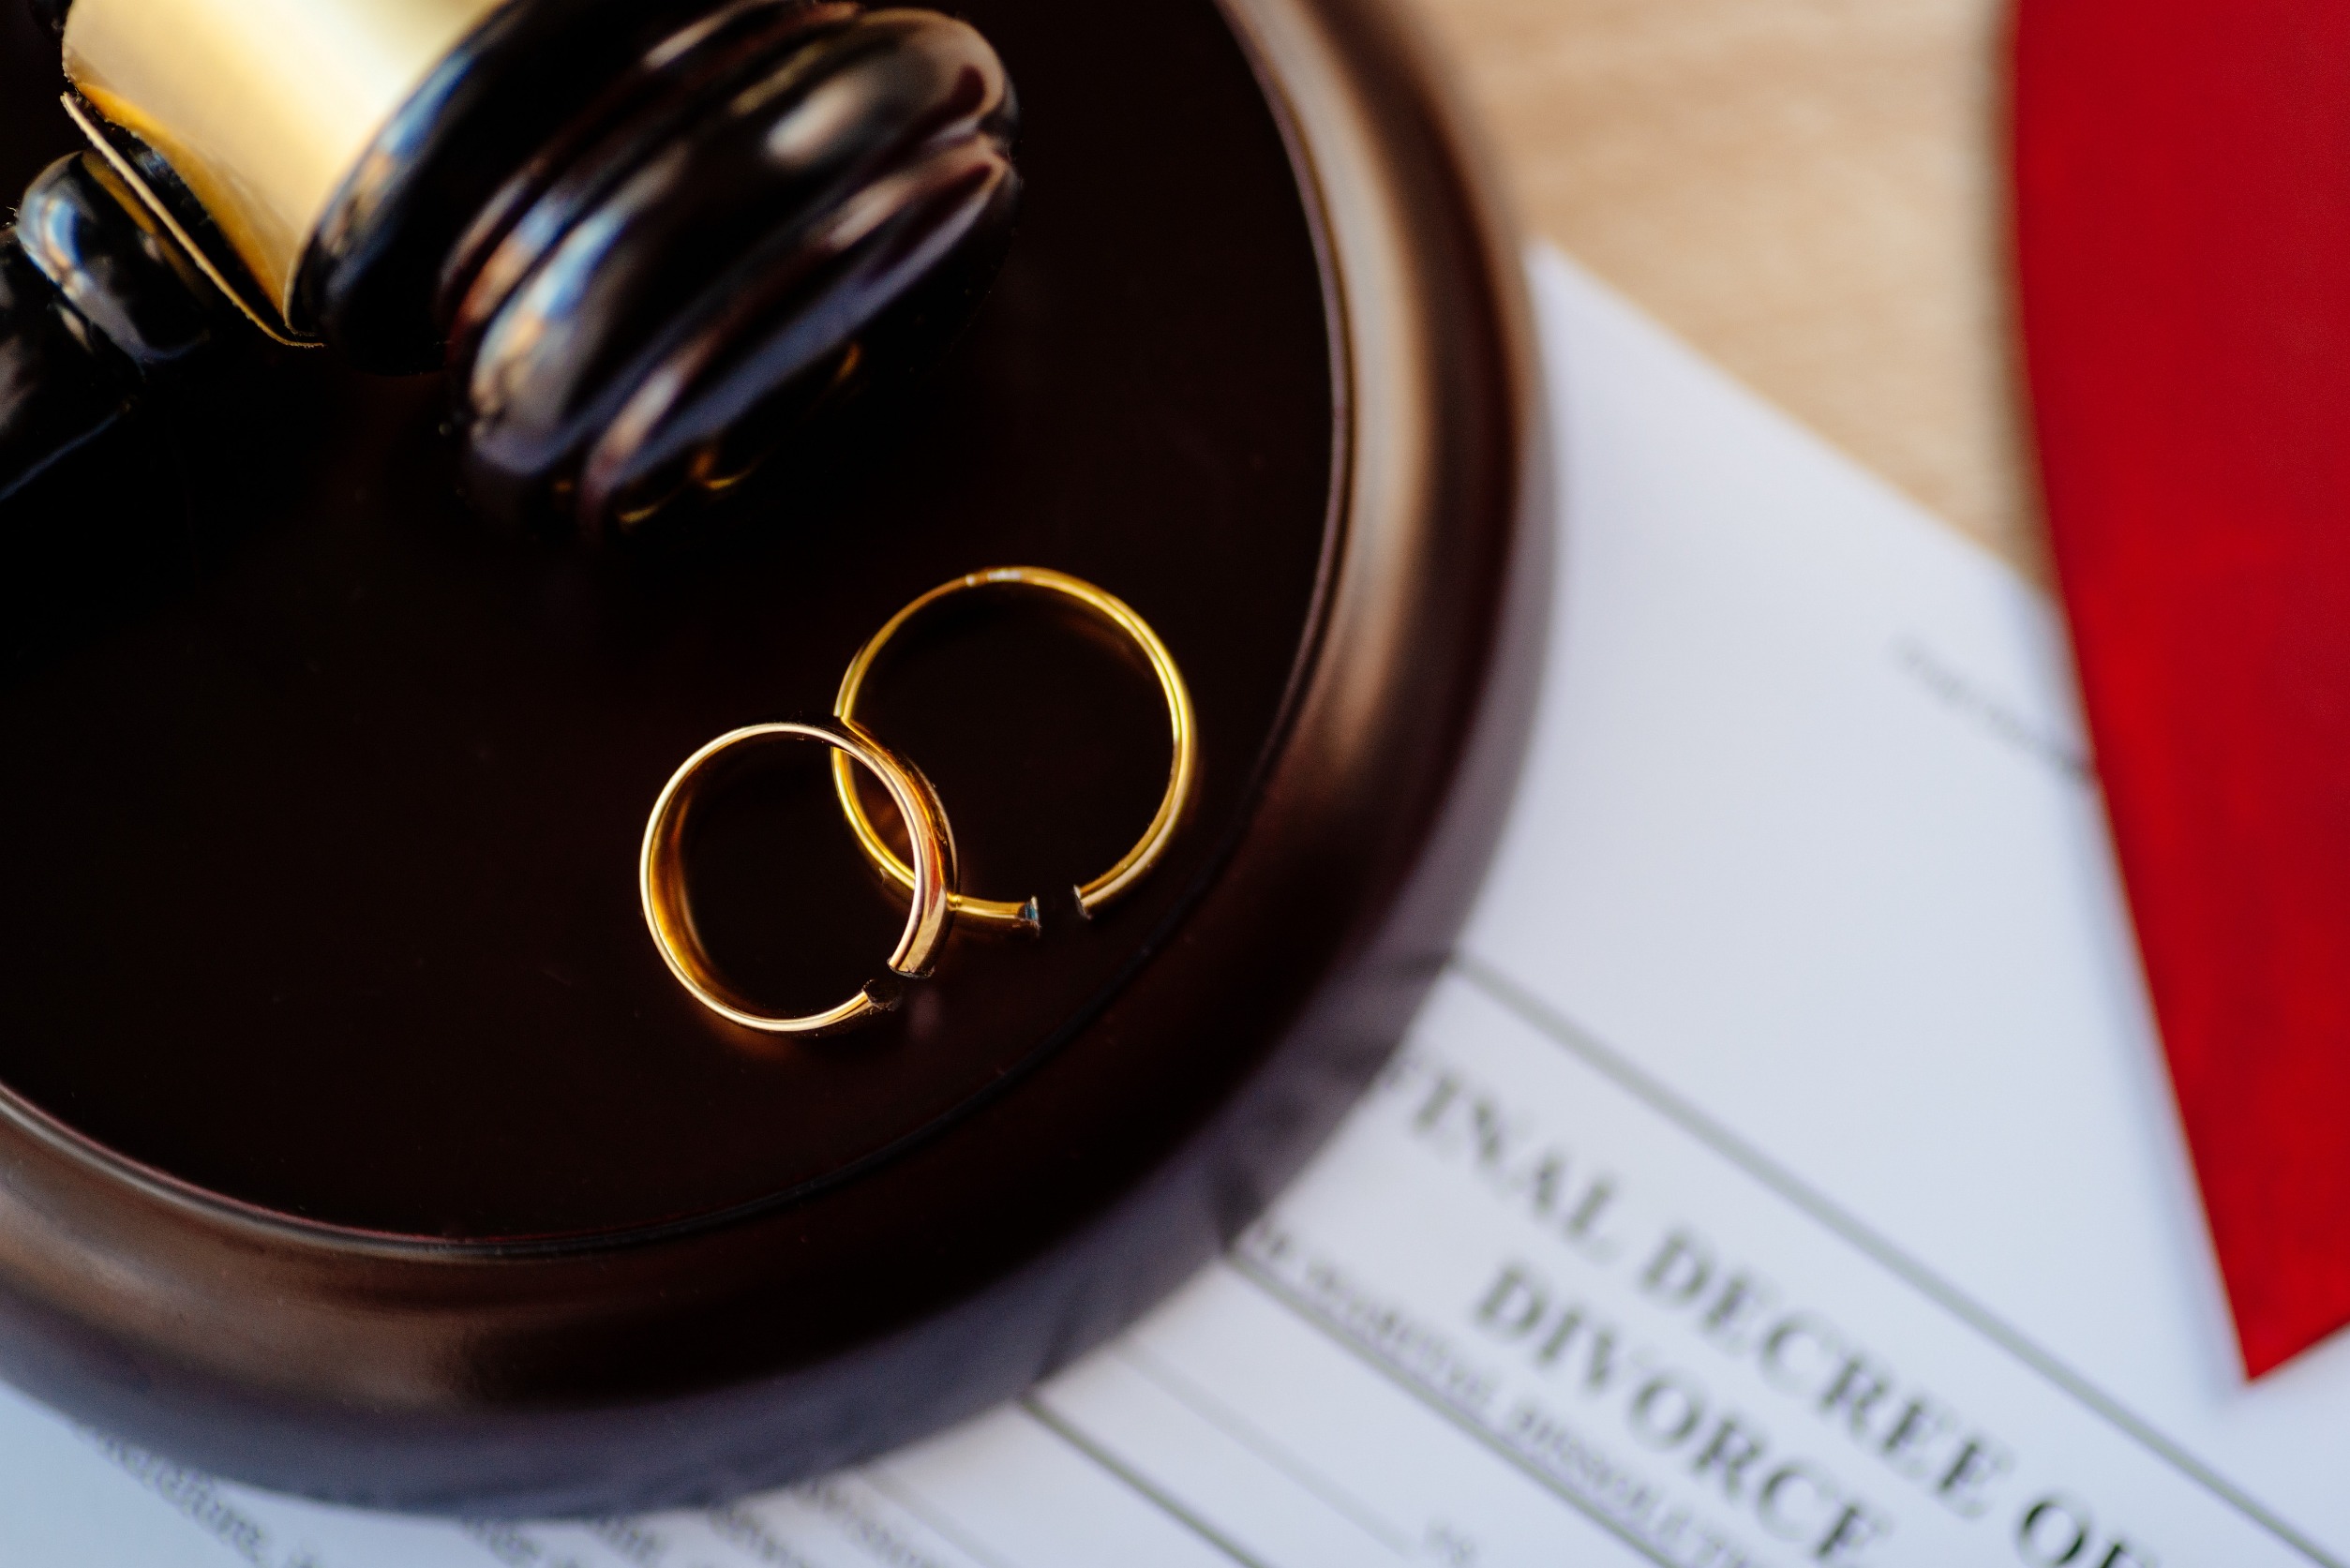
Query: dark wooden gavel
[(647, 239)]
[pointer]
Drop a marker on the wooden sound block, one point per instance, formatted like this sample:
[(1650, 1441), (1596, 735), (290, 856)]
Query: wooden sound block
[(356, 1139)]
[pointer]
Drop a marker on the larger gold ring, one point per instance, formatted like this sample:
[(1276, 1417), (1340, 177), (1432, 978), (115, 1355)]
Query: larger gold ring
[(660, 879), (1183, 731)]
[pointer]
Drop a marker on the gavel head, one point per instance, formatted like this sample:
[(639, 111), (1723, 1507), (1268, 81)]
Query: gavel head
[(647, 239)]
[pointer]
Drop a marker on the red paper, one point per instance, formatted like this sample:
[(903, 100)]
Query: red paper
[(2183, 178)]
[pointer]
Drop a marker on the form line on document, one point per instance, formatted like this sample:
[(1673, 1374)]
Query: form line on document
[(1234, 1426), (1461, 1421), (1141, 1485), (1546, 1019), (948, 1530)]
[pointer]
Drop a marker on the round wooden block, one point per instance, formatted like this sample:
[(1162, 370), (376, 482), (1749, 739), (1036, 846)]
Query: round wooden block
[(354, 1139)]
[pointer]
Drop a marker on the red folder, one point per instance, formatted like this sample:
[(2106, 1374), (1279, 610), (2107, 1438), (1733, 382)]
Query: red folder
[(2182, 213)]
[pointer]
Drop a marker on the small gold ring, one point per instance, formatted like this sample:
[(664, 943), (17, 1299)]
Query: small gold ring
[(660, 879), (1180, 771)]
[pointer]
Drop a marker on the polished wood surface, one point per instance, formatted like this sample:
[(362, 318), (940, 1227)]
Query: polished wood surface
[(357, 1141), (1810, 192), (343, 812)]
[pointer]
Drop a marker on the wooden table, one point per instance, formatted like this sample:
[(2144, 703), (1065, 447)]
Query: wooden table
[(1810, 192)]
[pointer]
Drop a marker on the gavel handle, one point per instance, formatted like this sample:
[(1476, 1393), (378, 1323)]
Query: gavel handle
[(97, 303), (61, 385)]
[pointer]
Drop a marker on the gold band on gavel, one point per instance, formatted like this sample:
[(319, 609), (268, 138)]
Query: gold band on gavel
[(262, 107)]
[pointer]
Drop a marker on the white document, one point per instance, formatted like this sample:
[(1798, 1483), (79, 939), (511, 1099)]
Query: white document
[(1784, 1173)]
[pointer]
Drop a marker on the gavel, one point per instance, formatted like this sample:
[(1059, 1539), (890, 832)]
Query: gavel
[(647, 240)]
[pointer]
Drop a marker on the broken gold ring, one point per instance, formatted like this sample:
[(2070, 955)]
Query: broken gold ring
[(1183, 731)]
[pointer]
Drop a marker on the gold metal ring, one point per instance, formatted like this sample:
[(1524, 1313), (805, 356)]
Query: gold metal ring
[(1181, 770), (669, 913)]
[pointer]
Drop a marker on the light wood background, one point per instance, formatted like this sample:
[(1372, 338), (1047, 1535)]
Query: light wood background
[(1810, 192)]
